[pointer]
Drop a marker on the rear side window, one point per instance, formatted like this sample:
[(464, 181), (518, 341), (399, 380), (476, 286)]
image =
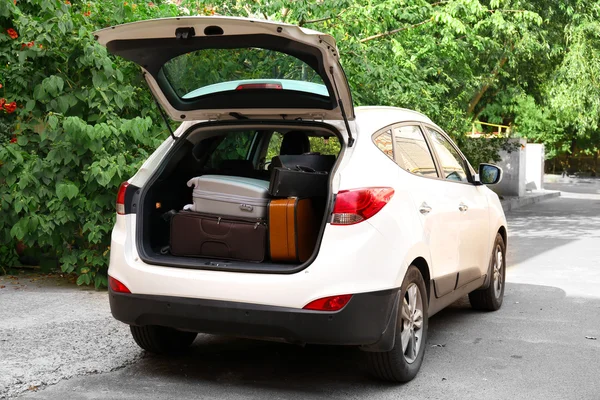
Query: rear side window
[(384, 142), (318, 144), (453, 164), (325, 145), (234, 146), (412, 151)]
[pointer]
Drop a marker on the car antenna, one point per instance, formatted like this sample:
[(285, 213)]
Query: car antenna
[(350, 138)]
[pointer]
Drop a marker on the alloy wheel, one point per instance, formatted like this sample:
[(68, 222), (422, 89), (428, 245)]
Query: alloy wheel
[(412, 323), (498, 275)]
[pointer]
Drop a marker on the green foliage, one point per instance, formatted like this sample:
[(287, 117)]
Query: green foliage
[(83, 124), (75, 122), (234, 146)]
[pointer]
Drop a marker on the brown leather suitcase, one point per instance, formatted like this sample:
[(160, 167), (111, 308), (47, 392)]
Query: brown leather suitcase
[(200, 235), (293, 229)]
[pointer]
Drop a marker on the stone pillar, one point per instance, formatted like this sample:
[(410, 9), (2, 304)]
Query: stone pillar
[(513, 171), (534, 177)]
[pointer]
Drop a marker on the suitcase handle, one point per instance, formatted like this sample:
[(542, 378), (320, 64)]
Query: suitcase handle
[(305, 169)]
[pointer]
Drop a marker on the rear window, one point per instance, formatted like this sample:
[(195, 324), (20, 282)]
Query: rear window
[(207, 71)]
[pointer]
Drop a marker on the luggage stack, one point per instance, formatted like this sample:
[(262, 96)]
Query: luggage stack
[(246, 219), (227, 219)]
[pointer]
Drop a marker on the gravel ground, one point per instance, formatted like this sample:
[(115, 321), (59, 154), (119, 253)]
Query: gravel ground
[(51, 330)]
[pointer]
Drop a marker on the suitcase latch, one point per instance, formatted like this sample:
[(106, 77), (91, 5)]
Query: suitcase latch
[(246, 207)]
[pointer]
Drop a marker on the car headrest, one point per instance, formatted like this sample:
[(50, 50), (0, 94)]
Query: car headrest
[(294, 143)]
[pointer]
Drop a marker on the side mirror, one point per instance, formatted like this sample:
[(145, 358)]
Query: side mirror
[(489, 174)]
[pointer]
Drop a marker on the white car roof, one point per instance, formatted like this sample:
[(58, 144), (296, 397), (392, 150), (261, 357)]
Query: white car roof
[(373, 118)]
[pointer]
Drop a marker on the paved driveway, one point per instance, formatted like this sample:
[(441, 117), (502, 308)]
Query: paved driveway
[(538, 346)]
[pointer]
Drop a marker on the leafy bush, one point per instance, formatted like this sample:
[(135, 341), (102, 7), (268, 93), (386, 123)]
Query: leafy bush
[(75, 123)]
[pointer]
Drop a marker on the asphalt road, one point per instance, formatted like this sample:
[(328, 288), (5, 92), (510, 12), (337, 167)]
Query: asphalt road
[(59, 342)]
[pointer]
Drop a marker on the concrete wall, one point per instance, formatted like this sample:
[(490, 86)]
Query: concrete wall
[(513, 168), (534, 166)]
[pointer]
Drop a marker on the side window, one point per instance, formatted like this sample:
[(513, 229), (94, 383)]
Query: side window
[(384, 142), (274, 145), (412, 152), (234, 146), (325, 145), (453, 165)]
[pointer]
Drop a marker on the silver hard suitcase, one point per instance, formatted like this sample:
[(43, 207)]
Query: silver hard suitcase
[(230, 196)]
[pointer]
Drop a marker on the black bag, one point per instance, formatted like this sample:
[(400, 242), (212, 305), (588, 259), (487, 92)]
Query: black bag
[(298, 182), (317, 162), (202, 235)]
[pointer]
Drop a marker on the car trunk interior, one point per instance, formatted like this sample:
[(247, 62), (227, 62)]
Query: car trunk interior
[(237, 149)]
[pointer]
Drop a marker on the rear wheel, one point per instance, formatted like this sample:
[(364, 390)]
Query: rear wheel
[(160, 339), (402, 363), (490, 299)]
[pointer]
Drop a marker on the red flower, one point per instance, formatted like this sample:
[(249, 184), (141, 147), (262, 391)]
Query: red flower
[(0, 86), (13, 139), (40, 46), (87, 13), (30, 44), (68, 2), (2, 102), (151, 4), (10, 107), (12, 33)]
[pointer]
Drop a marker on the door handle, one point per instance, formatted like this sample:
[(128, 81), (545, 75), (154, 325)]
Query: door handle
[(463, 207), (424, 208)]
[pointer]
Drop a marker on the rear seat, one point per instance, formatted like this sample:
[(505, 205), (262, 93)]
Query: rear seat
[(243, 168), (295, 150)]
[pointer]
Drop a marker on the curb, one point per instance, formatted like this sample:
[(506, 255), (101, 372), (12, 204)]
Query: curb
[(516, 202)]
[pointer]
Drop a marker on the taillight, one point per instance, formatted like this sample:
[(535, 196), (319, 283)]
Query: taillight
[(259, 86), (117, 286), (331, 303), (121, 198), (356, 205)]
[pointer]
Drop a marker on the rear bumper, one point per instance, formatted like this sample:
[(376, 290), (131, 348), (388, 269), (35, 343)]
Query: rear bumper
[(361, 322)]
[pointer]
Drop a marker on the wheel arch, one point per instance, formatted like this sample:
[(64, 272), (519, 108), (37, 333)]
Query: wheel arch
[(504, 235), (423, 267), (502, 232)]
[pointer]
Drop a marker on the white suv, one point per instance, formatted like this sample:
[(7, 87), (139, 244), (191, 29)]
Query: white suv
[(408, 226)]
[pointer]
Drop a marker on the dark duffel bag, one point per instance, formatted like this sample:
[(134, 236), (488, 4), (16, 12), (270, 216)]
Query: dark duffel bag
[(201, 235), (317, 162), (298, 182)]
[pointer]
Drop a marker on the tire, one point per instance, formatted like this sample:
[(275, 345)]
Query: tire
[(160, 339), (402, 363), (490, 299)]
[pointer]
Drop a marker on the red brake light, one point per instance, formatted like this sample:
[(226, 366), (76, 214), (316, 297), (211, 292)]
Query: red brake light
[(331, 303), (259, 86), (117, 286), (121, 198), (356, 205)]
